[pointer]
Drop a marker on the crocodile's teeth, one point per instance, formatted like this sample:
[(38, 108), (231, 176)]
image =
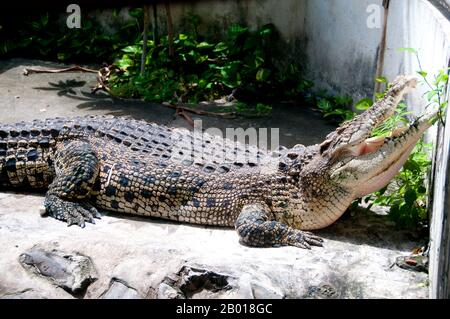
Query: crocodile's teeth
[(398, 131)]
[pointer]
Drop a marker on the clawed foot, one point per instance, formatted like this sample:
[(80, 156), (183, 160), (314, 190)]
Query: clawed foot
[(256, 229), (303, 239), (74, 213)]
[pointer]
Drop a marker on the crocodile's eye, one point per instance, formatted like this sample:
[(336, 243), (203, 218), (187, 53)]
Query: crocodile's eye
[(324, 146)]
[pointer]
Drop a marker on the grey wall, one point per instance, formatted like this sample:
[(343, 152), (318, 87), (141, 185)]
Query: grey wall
[(341, 50), (329, 38)]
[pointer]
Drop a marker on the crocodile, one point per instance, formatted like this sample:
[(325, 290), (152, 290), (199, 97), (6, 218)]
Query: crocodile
[(271, 198)]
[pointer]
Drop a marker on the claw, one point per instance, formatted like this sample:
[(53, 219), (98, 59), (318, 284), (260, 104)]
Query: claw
[(305, 240), (316, 242), (73, 213)]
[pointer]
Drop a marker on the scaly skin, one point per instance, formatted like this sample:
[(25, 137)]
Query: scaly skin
[(136, 167)]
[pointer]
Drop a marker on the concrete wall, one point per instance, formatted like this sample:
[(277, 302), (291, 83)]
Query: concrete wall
[(287, 15), (333, 43), (416, 24), (432, 37), (331, 39), (439, 254), (341, 50)]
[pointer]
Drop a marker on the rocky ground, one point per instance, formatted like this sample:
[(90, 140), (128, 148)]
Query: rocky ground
[(131, 257)]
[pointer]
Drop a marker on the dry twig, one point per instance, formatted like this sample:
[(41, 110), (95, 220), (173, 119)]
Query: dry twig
[(76, 68)]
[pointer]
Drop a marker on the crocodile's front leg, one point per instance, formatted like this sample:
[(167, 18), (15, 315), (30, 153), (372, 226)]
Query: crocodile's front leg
[(77, 167), (255, 228)]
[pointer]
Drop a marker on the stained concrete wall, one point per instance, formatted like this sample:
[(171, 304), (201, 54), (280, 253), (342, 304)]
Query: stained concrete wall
[(332, 39), (287, 15), (340, 48), (439, 271), (329, 38), (416, 24)]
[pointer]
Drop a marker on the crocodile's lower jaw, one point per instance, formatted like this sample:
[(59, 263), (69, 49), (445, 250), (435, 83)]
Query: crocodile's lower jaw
[(383, 177)]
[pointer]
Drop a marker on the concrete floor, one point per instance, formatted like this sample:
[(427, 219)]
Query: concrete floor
[(356, 262)]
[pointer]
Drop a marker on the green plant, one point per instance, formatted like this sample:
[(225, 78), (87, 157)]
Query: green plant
[(406, 194), (46, 36), (259, 110), (207, 70), (245, 62), (436, 87), (337, 108)]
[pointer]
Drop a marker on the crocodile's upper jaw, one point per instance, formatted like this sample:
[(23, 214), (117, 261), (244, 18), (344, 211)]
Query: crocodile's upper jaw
[(364, 165)]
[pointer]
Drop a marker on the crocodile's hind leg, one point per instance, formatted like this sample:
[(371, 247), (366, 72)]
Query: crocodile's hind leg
[(256, 229), (76, 167)]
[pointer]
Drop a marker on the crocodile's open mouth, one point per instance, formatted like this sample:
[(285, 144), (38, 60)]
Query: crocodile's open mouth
[(363, 163), (373, 144), (375, 161)]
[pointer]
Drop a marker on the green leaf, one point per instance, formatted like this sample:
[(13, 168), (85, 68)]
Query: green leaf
[(202, 83), (258, 61), (409, 50), (324, 105), (363, 104), (267, 30), (62, 56), (262, 74), (381, 79), (36, 26), (236, 30), (136, 12), (221, 46), (204, 45), (441, 78), (132, 49), (421, 189), (125, 62), (183, 37), (431, 95), (44, 19), (379, 96), (410, 196), (412, 166), (422, 73)]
